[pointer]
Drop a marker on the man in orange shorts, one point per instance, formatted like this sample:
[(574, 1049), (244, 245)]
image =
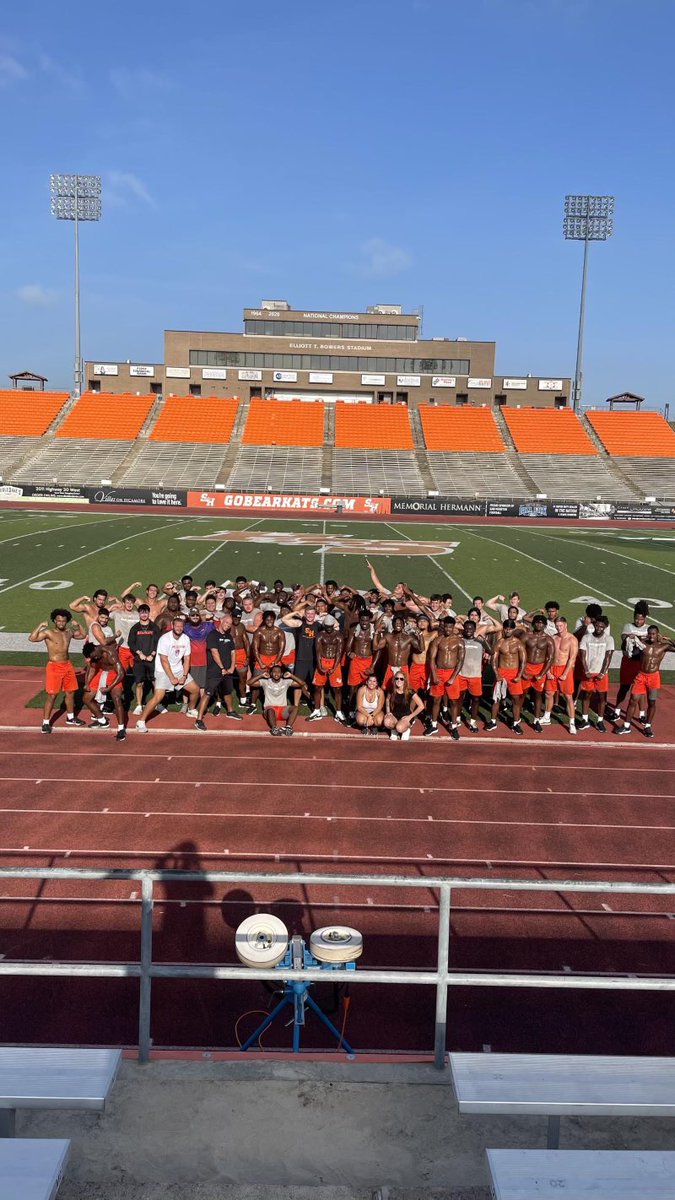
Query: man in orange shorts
[(560, 677), (508, 664), (648, 680), (470, 678), (359, 655), (329, 650), (400, 646), (103, 679), (59, 673), (595, 652), (419, 664), (446, 657), (539, 650), (267, 647), (241, 656)]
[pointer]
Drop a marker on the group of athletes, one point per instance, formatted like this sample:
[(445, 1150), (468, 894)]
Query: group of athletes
[(383, 659)]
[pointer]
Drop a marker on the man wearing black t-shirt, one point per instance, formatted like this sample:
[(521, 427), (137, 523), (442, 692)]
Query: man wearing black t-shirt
[(142, 639), (305, 649), (219, 672)]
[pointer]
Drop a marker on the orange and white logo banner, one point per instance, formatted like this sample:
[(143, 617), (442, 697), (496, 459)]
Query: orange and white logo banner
[(269, 502)]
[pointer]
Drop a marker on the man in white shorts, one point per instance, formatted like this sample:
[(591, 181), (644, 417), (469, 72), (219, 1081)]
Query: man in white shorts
[(172, 672)]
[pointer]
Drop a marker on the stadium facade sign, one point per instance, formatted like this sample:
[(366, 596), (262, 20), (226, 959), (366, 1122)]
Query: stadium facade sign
[(271, 503), (373, 380), (177, 372), (514, 385), (479, 383), (533, 509), (320, 376), (440, 381), (214, 373), (106, 369), (141, 372), (408, 380), (438, 505), (248, 374), (550, 385), (285, 376)]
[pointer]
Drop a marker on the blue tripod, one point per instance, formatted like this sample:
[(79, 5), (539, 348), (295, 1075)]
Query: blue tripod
[(296, 993)]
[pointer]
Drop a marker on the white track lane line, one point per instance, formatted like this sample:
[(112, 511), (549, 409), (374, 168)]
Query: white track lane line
[(98, 550), (396, 763), (337, 787), (331, 818), (591, 589), (615, 744)]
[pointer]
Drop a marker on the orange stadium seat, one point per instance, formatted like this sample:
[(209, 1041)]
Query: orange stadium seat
[(27, 413), (464, 428), (547, 431), (104, 415), (284, 423), (373, 427), (634, 434), (196, 419)]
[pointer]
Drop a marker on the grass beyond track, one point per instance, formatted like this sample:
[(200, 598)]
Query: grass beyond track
[(46, 559)]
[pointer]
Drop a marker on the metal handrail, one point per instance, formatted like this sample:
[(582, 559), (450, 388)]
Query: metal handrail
[(441, 978)]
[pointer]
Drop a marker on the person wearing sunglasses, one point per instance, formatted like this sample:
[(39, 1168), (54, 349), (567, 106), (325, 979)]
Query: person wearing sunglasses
[(402, 707)]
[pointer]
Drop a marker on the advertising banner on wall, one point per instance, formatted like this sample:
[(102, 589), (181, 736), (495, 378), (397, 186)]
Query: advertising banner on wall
[(177, 372), (269, 503), (142, 372), (154, 497), (43, 491), (533, 509), (627, 511), (438, 505)]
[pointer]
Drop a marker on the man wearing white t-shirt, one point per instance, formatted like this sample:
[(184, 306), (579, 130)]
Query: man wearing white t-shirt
[(172, 671), (595, 652)]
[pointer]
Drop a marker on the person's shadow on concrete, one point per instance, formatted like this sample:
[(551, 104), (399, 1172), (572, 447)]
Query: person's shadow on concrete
[(182, 928)]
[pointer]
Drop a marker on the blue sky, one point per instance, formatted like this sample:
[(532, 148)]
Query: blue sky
[(336, 155)]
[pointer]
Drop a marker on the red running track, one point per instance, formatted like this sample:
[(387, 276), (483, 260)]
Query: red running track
[(543, 807)]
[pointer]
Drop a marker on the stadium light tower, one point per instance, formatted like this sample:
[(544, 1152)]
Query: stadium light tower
[(76, 198), (587, 219)]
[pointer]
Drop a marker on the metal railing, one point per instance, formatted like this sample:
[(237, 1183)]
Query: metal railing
[(441, 978)]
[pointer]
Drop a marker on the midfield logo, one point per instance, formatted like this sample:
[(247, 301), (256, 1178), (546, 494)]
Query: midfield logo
[(327, 543)]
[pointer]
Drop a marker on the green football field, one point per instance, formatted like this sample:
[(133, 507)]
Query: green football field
[(47, 559)]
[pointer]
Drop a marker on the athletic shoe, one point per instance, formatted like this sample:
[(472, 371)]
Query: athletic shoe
[(46, 727), (288, 730), (251, 709), (393, 736), (276, 732), (323, 710), (216, 709), (406, 734), (340, 718), (600, 726), (546, 719), (72, 722), (431, 729), (490, 726), (612, 712), (315, 715), (373, 731), (573, 728), (184, 707), (138, 710), (643, 718), (623, 730), (100, 723), (536, 725), (141, 727), (648, 731), (121, 735), (200, 725), (364, 730), (161, 708), (517, 728), (454, 733), (234, 716), (473, 728), (584, 723)]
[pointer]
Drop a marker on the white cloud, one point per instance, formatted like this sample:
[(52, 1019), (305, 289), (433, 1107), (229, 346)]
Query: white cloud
[(132, 82), (58, 73), (11, 70), (383, 258), (36, 296), (123, 185)]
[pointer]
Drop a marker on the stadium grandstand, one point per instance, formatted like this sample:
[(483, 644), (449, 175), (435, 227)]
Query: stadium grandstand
[(364, 404)]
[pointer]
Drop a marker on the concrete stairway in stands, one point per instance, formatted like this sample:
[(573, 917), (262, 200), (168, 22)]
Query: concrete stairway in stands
[(328, 444), (235, 441), (421, 449), (152, 416), (529, 486), (141, 441), (609, 462)]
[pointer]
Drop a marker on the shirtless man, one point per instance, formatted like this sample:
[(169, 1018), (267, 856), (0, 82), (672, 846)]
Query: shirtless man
[(154, 600), (648, 680), (400, 646), (446, 657), (241, 657), (59, 673), (359, 655), (419, 662), (165, 617), (330, 646), (508, 663), (539, 651), (560, 676), (90, 606), (103, 679), (397, 593), (267, 648)]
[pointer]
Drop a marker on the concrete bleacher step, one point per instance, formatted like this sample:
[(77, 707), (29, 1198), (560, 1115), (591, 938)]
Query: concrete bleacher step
[(609, 462), (235, 442), (529, 486), (503, 428), (136, 448), (61, 415), (32, 450), (328, 444), (416, 427), (424, 469), (152, 416)]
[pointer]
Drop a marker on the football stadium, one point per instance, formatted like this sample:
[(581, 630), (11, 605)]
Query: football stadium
[(244, 950)]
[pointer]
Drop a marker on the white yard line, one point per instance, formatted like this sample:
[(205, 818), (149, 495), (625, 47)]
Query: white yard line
[(98, 550), (590, 588), (55, 528), (322, 559), (220, 546), (435, 561), (615, 553)]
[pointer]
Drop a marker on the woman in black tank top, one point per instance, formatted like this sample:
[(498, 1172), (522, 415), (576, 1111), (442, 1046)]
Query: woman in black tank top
[(403, 706)]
